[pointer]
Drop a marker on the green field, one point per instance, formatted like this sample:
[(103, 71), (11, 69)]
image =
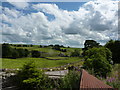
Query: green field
[(50, 52), (40, 62), (49, 57)]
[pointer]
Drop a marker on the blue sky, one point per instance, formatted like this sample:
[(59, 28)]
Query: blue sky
[(69, 6), (64, 23)]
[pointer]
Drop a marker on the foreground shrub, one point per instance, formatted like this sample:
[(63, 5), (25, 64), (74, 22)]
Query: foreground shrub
[(31, 78), (114, 79), (71, 80), (114, 82)]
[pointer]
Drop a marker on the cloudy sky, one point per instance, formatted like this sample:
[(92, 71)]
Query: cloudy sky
[(64, 23)]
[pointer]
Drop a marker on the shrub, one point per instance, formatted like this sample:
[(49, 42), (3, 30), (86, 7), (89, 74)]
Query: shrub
[(35, 54), (31, 78), (71, 80), (114, 82), (76, 53), (15, 53), (98, 60)]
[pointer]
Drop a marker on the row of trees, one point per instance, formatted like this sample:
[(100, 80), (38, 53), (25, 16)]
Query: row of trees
[(21, 45), (41, 46), (9, 52), (58, 47)]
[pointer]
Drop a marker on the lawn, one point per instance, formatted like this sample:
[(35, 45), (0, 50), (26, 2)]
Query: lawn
[(40, 62)]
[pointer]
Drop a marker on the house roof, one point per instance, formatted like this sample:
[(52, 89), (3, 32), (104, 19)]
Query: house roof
[(89, 82)]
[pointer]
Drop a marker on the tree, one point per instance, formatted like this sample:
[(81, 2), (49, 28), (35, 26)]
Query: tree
[(6, 51), (15, 53), (56, 47), (26, 53), (21, 52), (35, 54), (114, 47), (99, 60), (76, 53), (90, 44)]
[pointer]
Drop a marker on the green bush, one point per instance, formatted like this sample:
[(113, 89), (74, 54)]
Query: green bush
[(114, 79), (71, 80), (98, 60), (31, 78), (76, 53), (35, 53), (114, 84)]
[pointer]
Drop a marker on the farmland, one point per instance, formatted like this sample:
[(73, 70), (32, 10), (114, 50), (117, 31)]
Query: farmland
[(49, 57), (40, 62), (94, 58)]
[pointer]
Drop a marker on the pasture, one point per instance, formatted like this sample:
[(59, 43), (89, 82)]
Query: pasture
[(40, 62)]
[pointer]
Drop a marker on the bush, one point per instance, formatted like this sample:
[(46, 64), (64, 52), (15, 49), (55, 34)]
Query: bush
[(98, 60), (35, 54), (76, 53), (15, 53), (71, 80), (113, 82), (31, 78), (114, 79)]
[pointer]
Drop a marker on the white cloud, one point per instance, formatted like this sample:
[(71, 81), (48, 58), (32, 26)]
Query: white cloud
[(21, 4), (91, 21)]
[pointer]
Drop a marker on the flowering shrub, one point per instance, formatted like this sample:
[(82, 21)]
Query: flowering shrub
[(114, 82), (114, 79)]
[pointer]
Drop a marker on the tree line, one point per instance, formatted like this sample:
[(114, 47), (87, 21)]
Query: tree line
[(9, 52)]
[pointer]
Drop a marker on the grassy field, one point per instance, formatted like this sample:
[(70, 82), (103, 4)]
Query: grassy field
[(51, 57), (50, 51), (40, 62)]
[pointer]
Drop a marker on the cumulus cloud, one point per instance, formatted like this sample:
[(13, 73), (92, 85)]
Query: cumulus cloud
[(72, 28), (20, 4)]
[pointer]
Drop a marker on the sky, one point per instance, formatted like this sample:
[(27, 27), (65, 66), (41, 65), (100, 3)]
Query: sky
[(64, 23)]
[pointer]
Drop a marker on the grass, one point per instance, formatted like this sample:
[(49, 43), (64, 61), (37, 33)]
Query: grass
[(59, 58), (52, 58), (50, 51), (40, 62)]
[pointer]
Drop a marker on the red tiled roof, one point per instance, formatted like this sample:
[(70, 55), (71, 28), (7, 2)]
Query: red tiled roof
[(89, 82)]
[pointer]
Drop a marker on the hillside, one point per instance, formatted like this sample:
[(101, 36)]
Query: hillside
[(49, 56)]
